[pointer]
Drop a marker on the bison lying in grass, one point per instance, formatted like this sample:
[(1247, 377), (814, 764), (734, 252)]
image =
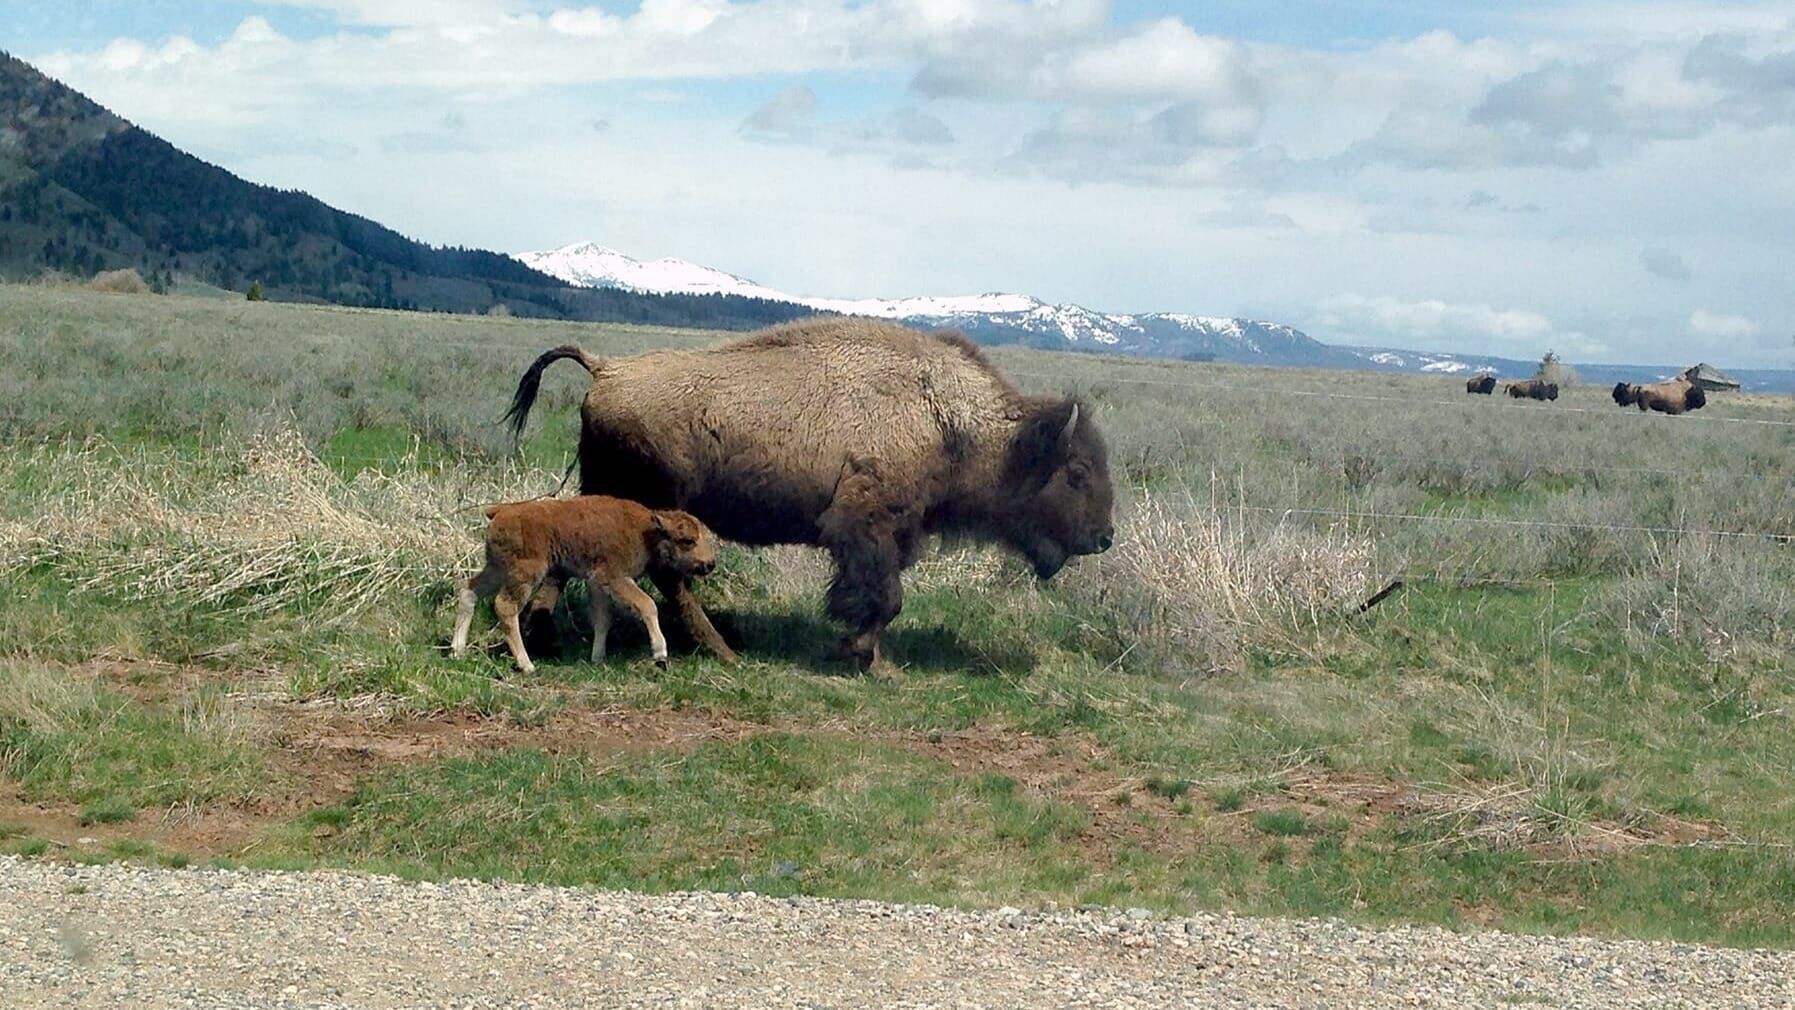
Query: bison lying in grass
[(1533, 389), (1482, 385), (1674, 396), (606, 541), (858, 436)]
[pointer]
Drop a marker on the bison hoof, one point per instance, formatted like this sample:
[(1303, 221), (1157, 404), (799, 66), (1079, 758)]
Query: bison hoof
[(859, 652), (660, 663)]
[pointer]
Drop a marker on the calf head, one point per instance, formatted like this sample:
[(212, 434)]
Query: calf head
[(1061, 502), (678, 542)]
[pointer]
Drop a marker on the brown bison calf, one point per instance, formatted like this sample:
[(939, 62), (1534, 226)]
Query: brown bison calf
[(609, 542)]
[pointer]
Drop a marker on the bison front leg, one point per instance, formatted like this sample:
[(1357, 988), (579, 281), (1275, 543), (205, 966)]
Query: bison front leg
[(871, 531), (678, 592)]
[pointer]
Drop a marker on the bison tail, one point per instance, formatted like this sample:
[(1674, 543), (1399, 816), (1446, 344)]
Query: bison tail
[(531, 383)]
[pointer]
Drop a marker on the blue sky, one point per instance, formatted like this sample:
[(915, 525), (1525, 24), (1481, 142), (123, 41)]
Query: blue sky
[(1606, 179)]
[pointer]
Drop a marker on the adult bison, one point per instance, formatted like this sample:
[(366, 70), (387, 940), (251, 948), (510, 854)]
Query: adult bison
[(1533, 389), (1482, 385), (854, 435), (1675, 396)]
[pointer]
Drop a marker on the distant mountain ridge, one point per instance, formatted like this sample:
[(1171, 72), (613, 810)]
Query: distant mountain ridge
[(82, 190), (993, 317), (1003, 318)]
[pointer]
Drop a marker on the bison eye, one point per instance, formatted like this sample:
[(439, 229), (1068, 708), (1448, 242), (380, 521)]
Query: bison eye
[(1077, 477)]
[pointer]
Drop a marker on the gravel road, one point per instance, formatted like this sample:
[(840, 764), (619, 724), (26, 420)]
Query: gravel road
[(122, 936)]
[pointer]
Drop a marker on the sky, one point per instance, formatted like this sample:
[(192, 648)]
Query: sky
[(1608, 180)]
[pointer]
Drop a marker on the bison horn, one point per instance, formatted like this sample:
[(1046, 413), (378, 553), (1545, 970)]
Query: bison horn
[(1071, 426)]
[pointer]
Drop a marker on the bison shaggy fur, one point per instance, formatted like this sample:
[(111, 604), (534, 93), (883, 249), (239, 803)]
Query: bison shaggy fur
[(1482, 385), (1674, 396), (606, 541), (1533, 389), (859, 436)]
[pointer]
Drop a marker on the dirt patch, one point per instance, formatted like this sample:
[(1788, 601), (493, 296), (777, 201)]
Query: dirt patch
[(1072, 768), (320, 752), (330, 748)]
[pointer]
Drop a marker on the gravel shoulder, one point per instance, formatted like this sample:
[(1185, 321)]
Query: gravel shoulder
[(127, 936)]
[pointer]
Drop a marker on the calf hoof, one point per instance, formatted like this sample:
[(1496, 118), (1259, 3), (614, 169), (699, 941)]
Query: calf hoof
[(660, 663)]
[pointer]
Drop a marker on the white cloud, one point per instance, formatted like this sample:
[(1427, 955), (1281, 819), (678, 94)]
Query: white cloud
[(1436, 324), (788, 115), (1506, 184), (1667, 264), (409, 13), (1719, 326)]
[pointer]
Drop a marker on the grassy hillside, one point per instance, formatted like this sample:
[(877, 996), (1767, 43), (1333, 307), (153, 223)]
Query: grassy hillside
[(82, 191), (228, 533)]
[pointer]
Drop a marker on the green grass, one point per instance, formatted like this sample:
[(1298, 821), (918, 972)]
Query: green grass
[(1283, 823), (1593, 679), (64, 736), (852, 818)]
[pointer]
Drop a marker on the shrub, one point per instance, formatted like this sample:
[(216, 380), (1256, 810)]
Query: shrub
[(255, 292), (120, 282)]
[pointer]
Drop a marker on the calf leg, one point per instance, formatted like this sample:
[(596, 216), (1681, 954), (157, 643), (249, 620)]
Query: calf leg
[(508, 604), (631, 595), (481, 585), (678, 592), (601, 620)]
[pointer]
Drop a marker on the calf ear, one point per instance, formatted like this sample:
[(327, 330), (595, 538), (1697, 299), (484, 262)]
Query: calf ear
[(1043, 444), (659, 521)]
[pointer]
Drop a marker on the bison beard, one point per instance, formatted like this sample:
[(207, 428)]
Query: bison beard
[(858, 436)]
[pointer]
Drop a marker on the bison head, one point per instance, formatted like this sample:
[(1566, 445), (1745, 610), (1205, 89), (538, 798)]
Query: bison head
[(1623, 394), (1060, 502), (681, 544)]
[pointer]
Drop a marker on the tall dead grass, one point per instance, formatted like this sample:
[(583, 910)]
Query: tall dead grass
[(1185, 583), (258, 526)]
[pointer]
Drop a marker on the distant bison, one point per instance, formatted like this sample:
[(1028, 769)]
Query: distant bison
[(1674, 396), (1483, 385), (858, 436), (1533, 389)]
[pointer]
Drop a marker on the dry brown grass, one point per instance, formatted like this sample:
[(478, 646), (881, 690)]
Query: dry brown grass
[(119, 282), (263, 526), (1185, 578)]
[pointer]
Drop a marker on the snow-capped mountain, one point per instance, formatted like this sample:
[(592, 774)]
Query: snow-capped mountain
[(590, 265), (993, 317), (998, 318)]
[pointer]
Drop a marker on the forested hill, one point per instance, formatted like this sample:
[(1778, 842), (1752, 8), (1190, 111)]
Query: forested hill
[(82, 190)]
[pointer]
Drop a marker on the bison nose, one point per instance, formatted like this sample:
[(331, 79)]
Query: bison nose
[(1106, 541)]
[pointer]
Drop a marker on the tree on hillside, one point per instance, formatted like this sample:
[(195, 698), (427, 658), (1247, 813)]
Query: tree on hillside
[(1552, 369), (255, 292)]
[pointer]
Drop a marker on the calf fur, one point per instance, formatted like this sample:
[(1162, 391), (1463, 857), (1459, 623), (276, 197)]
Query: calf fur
[(609, 542)]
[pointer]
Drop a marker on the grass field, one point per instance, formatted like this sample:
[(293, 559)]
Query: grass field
[(228, 533)]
